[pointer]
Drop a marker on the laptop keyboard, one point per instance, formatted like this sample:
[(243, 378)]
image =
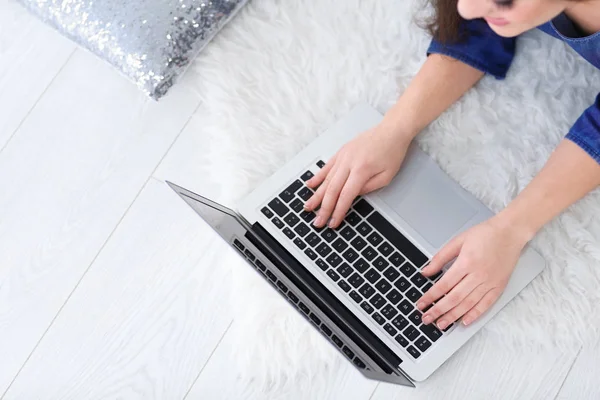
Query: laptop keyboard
[(368, 258)]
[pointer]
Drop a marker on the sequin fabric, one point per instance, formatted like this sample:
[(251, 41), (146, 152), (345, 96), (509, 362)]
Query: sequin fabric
[(150, 41)]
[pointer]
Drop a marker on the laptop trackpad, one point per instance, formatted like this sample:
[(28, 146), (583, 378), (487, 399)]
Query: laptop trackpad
[(427, 199)]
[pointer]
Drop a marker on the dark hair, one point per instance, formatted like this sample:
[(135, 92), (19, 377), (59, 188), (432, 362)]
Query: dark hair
[(445, 23)]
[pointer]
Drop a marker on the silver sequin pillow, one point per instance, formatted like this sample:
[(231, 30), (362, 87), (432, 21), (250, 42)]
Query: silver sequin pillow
[(150, 41)]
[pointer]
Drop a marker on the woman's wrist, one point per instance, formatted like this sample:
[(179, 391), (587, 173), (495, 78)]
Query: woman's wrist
[(399, 126), (520, 223)]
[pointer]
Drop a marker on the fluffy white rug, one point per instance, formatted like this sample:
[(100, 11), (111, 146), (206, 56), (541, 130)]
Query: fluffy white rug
[(283, 71)]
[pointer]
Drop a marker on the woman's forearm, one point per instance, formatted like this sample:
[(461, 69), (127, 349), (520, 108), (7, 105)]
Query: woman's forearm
[(569, 174), (440, 82)]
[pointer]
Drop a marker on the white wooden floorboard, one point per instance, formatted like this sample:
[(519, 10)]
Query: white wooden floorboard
[(485, 369), (583, 381), (68, 176), (146, 316), (220, 381), (31, 54)]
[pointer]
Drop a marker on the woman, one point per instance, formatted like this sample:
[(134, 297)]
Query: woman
[(471, 38)]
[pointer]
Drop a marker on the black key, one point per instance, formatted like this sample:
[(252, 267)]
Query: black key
[(411, 333), (323, 249), (305, 193), (380, 263), (307, 175), (369, 253), (378, 318), (344, 285), (400, 322), (321, 264), (385, 248), (350, 255), (364, 229), (358, 243), (356, 280), (277, 222), (418, 279), (413, 352), (288, 232), (375, 239), (348, 352), (377, 301), (383, 286), (292, 297), (238, 244), (278, 206), (297, 205), (392, 274), (301, 229), (281, 286), (307, 216), (431, 332), (337, 341), (428, 286), (413, 295), (402, 340), (358, 362), (363, 208), (390, 329), (288, 194), (405, 307), (367, 290), (303, 307), (271, 276), (318, 229), (345, 270), (448, 328), (367, 307), (422, 343), (352, 218), (313, 239), (372, 275), (361, 265), (389, 311), (260, 265), (333, 275), (355, 296), (397, 239), (402, 284), (268, 213), (326, 330), (407, 269), (415, 317), (339, 245), (436, 276), (329, 235), (311, 254), (250, 256), (397, 259), (315, 319), (334, 260), (394, 297), (320, 164), (291, 219), (299, 243), (348, 233)]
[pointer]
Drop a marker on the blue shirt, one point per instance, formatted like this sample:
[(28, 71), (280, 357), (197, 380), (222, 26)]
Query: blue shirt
[(485, 50)]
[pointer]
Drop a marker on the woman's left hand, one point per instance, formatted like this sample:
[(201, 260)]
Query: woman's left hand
[(486, 256)]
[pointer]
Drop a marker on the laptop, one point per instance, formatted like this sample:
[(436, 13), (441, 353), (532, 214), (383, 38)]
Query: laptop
[(358, 284)]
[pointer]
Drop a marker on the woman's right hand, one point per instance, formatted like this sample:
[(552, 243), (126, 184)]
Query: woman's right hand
[(366, 163)]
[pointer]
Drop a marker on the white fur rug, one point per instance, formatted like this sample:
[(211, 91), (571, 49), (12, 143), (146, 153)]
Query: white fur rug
[(283, 71)]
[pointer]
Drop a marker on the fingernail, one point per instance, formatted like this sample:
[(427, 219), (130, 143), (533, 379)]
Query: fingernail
[(442, 324), (319, 221), (331, 222), (306, 207), (466, 321), (420, 306), (426, 319)]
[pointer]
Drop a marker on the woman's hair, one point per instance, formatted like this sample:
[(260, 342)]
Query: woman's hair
[(445, 23)]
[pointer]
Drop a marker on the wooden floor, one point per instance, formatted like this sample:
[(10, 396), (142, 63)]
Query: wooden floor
[(107, 279)]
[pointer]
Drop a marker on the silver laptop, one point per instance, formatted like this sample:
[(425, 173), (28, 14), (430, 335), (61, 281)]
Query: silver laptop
[(358, 284)]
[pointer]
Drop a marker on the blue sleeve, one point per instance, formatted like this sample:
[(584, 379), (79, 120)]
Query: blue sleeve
[(482, 48), (586, 131)]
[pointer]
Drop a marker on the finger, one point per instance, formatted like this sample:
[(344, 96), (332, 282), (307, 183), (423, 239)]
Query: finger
[(315, 200), (349, 192), (443, 286), (463, 307), (453, 298), (376, 182), (484, 304), (449, 252), (331, 195), (320, 176)]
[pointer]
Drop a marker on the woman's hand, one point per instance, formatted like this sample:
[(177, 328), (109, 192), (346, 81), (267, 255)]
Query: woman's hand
[(366, 163), (486, 256)]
